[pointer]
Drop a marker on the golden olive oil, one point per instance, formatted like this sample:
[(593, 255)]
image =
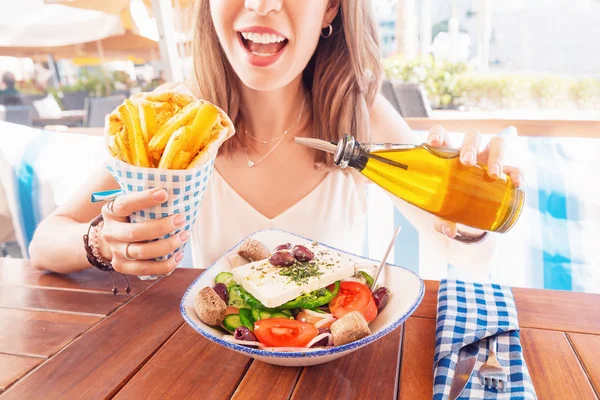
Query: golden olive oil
[(436, 181)]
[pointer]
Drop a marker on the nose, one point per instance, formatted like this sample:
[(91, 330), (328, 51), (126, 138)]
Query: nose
[(263, 7)]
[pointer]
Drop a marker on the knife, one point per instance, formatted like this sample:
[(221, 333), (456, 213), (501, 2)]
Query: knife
[(462, 373)]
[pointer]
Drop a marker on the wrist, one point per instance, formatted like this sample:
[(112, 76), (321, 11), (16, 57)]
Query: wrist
[(90, 241)]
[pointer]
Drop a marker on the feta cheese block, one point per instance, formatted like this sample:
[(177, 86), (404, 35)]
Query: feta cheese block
[(272, 288)]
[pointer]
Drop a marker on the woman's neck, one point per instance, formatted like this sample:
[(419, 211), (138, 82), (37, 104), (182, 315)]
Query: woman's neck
[(268, 114)]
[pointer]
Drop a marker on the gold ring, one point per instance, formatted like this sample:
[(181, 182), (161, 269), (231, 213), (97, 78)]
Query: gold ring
[(127, 256)]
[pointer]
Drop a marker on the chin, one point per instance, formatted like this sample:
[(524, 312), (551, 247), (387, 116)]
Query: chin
[(263, 82)]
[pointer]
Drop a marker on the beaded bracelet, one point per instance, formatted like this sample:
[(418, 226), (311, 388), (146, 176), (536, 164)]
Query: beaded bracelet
[(92, 249)]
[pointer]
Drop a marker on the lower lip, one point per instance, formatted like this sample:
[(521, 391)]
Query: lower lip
[(261, 61)]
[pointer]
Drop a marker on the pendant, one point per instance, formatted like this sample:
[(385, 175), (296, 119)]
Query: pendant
[(250, 164)]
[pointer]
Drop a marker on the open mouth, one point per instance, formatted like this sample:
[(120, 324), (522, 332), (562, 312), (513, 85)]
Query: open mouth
[(263, 44)]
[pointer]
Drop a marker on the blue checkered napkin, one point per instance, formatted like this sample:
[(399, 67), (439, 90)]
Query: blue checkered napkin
[(469, 313), (185, 188)]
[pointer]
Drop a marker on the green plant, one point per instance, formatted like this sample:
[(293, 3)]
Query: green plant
[(439, 78), (97, 85), (451, 85)]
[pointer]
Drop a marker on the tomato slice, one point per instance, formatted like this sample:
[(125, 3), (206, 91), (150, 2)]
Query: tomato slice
[(354, 296), (279, 332)]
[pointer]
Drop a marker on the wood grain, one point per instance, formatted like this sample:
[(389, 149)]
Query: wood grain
[(186, 366), (99, 363), (557, 310), (59, 300), (18, 272), (266, 381), (14, 367), (543, 309), (428, 306), (418, 348), (556, 128), (587, 348), (40, 333), (554, 367), (368, 373)]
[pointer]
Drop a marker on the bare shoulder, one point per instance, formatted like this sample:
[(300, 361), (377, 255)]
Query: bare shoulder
[(387, 125)]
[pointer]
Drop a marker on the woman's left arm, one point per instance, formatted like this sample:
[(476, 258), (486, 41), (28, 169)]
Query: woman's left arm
[(388, 126)]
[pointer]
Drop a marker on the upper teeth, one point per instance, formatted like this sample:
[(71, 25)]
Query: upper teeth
[(264, 38)]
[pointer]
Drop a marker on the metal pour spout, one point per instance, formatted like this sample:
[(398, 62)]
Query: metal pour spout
[(317, 144)]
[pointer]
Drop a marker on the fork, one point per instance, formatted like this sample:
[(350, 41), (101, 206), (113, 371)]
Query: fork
[(492, 374)]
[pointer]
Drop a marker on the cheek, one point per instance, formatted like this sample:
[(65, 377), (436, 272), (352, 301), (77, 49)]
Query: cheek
[(307, 30), (222, 18)]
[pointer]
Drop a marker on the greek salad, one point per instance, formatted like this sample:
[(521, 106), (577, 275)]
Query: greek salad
[(295, 297)]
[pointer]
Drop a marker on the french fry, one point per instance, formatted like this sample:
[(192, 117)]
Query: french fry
[(177, 144), (207, 117), (148, 121), (181, 160), (135, 136), (159, 141), (114, 123), (121, 144)]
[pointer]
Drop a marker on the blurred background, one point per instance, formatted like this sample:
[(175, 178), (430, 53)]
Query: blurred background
[(485, 64)]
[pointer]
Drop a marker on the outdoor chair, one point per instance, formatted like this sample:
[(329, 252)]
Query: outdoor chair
[(74, 100), (98, 107), (408, 99), (17, 114)]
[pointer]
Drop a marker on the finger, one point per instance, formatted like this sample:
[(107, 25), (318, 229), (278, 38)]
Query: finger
[(437, 137), (126, 205), (516, 175), (151, 250), (446, 228), (146, 267), (146, 230), (497, 148), (470, 147)]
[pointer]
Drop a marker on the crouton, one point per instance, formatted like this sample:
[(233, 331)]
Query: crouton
[(209, 307), (350, 328), (254, 250)]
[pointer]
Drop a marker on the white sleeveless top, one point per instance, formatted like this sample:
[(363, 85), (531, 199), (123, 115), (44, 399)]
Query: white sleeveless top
[(334, 213)]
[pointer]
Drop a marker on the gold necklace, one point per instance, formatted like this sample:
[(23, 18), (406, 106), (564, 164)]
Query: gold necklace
[(280, 137)]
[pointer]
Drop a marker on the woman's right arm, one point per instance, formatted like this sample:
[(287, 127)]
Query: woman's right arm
[(58, 241)]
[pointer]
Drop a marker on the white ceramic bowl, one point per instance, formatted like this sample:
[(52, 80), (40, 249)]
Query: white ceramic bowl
[(406, 293)]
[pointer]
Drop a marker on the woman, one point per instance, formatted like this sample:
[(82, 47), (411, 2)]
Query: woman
[(279, 69)]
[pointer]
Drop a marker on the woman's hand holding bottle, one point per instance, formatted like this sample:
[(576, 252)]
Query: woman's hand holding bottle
[(492, 155)]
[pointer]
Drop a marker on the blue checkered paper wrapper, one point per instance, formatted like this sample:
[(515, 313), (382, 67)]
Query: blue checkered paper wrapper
[(469, 313), (185, 188)]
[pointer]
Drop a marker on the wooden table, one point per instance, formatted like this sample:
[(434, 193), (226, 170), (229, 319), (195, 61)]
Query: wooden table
[(67, 337)]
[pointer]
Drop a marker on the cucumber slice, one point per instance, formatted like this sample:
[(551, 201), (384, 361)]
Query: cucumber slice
[(281, 315), (232, 322), (287, 312), (265, 314), (223, 277), (235, 300), (256, 314), (230, 283), (246, 318)]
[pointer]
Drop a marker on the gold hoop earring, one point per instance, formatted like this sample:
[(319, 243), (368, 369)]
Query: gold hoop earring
[(328, 32)]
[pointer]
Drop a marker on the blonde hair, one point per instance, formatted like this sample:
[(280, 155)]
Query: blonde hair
[(342, 77)]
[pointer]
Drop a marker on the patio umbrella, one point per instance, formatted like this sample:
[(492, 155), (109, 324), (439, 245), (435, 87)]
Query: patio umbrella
[(170, 18), (33, 28)]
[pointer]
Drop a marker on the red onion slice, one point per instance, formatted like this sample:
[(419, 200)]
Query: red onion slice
[(320, 337), (231, 339), (317, 314), (324, 321)]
